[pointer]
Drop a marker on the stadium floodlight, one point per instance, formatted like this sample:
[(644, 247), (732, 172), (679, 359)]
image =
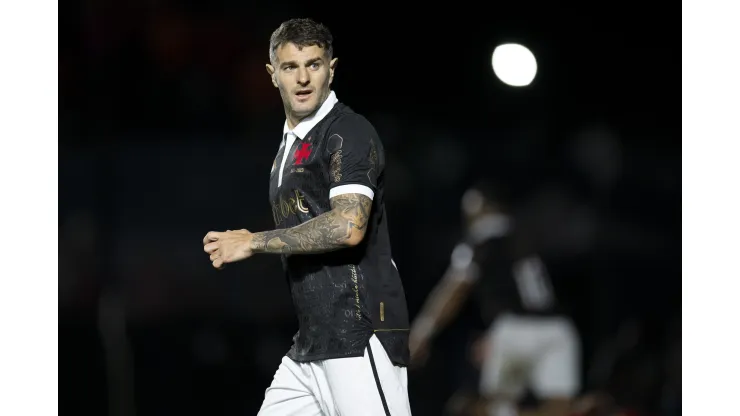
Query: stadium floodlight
[(514, 64)]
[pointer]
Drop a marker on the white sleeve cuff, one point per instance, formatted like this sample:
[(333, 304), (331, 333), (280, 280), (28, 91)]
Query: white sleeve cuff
[(351, 189)]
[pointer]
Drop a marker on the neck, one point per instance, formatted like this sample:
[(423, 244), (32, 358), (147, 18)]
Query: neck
[(294, 119)]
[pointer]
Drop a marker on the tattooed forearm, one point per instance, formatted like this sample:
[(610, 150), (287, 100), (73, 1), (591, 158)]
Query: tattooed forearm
[(321, 234), (341, 227)]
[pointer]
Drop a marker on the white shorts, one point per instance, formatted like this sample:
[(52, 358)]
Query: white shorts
[(542, 353), (339, 386)]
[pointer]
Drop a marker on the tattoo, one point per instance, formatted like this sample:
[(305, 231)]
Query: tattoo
[(341, 227), (354, 208)]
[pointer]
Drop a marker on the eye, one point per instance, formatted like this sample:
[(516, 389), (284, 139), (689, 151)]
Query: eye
[(289, 68), (315, 65)]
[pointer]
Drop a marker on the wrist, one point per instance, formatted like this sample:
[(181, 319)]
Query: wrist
[(256, 242)]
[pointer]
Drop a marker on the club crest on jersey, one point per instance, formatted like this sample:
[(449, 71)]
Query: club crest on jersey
[(302, 153)]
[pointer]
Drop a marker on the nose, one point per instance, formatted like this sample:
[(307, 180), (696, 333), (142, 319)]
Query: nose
[(303, 78)]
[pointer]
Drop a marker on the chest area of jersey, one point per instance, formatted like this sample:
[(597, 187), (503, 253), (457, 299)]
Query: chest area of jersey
[(295, 156), (298, 176)]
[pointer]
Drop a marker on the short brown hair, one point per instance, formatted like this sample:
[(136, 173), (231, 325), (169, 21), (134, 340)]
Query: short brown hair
[(301, 32)]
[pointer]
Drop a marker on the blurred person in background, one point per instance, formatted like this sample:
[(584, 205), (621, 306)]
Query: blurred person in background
[(327, 191), (530, 342)]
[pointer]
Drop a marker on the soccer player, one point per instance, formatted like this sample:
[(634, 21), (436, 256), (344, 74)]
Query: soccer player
[(530, 342), (350, 354)]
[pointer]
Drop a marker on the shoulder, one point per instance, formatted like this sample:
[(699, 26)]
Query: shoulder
[(346, 121), (349, 130)]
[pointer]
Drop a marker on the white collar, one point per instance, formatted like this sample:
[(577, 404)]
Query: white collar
[(302, 129)]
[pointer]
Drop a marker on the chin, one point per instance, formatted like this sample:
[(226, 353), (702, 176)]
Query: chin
[(304, 109)]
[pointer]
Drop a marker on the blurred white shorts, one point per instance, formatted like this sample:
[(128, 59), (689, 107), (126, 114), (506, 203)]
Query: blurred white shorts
[(339, 386), (542, 353)]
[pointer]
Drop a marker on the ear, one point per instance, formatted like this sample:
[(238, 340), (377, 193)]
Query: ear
[(332, 67), (271, 71)]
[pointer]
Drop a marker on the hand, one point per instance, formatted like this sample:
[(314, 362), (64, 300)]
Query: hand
[(228, 246)]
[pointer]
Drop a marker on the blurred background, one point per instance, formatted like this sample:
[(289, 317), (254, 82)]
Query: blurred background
[(168, 128)]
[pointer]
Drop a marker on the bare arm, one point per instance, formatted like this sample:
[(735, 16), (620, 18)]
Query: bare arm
[(443, 303), (343, 226)]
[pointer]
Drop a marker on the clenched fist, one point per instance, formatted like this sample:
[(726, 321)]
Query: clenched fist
[(228, 246)]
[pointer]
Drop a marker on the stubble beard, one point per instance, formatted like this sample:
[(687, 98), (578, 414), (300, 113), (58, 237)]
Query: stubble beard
[(289, 108)]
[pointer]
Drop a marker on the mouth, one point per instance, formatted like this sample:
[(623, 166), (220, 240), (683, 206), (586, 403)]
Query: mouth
[(303, 95)]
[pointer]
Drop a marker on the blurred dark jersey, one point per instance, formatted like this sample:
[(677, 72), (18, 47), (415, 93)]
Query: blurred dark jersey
[(342, 297), (509, 277)]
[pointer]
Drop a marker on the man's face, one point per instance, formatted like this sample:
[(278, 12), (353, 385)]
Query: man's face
[(303, 76)]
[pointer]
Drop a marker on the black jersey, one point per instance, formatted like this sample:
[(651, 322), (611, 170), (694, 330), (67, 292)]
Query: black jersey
[(342, 297), (510, 277)]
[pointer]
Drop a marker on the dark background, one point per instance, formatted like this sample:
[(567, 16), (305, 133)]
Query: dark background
[(169, 125)]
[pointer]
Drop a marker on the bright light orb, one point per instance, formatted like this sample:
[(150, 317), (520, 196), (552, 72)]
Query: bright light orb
[(514, 64)]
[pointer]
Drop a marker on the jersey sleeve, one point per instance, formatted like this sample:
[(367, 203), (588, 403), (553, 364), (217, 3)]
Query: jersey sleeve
[(355, 157)]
